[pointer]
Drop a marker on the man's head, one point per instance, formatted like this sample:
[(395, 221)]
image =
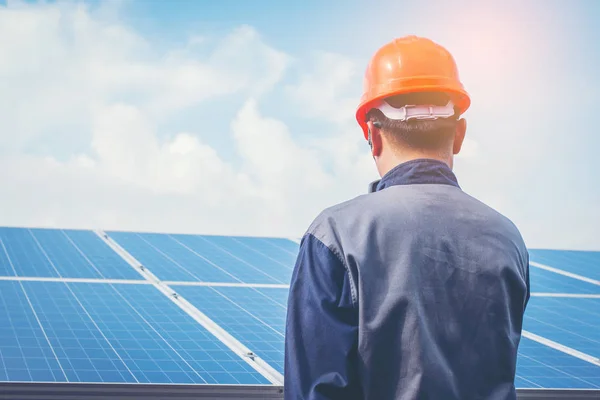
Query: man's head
[(412, 103), (394, 140)]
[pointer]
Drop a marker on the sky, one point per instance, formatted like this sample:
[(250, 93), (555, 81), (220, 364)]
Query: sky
[(237, 117)]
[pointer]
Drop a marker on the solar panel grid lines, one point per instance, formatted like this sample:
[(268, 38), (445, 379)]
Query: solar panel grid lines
[(205, 359), (171, 263), (544, 280), (251, 256), (540, 366), (230, 276), (288, 266), (127, 257), (247, 271), (42, 252), (37, 319), (585, 263), (573, 322), (108, 262), (63, 255), (560, 347), (255, 316), (210, 258), (76, 371), (24, 255), (75, 280), (228, 292), (25, 351), (565, 273), (257, 362), (234, 345), (115, 333)]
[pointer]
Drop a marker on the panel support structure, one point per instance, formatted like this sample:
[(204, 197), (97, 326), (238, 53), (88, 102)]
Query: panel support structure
[(87, 391), (138, 391)]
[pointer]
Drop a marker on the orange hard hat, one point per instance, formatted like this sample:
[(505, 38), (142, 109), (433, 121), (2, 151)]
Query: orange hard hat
[(407, 65)]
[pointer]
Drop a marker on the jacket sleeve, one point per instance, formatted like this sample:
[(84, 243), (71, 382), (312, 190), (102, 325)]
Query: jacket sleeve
[(527, 282), (321, 329)]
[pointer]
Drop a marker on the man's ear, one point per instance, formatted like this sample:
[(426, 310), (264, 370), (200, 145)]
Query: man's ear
[(459, 135), (375, 138)]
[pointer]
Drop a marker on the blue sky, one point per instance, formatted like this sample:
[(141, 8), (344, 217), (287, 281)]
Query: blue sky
[(236, 117)]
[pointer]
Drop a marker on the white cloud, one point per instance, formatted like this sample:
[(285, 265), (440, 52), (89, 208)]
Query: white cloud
[(104, 99), (90, 134), (128, 150), (320, 92), (62, 61)]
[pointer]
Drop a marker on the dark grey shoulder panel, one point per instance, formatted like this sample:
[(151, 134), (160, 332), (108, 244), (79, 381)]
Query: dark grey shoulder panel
[(360, 229)]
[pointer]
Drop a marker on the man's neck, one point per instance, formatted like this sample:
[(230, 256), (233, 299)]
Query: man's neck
[(386, 164)]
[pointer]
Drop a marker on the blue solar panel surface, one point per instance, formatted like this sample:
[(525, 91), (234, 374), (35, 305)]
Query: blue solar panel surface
[(208, 258), (574, 322), (254, 316), (24, 349), (539, 366), (94, 332), (109, 332), (550, 282), (59, 253), (585, 263)]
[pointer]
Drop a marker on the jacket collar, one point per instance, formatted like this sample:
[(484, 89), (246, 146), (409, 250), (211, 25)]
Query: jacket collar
[(414, 172)]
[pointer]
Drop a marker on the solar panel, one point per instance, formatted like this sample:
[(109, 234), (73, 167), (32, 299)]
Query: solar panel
[(205, 258), (550, 282), (23, 256), (264, 264), (573, 322), (25, 351), (103, 259), (254, 316), (59, 253), (585, 263), (73, 308), (169, 260), (539, 366), (100, 332)]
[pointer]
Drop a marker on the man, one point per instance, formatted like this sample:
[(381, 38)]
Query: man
[(415, 290)]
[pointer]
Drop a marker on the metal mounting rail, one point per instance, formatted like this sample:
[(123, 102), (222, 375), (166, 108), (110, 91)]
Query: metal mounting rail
[(558, 394), (137, 391), (142, 391), (265, 369)]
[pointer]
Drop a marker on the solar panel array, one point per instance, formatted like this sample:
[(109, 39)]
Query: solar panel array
[(125, 307)]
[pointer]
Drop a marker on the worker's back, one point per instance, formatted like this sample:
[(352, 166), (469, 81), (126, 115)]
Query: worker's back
[(440, 283)]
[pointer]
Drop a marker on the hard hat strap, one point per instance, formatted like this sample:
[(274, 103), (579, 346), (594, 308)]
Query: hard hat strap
[(420, 112)]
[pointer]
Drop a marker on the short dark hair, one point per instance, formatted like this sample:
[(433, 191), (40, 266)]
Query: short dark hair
[(417, 134)]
